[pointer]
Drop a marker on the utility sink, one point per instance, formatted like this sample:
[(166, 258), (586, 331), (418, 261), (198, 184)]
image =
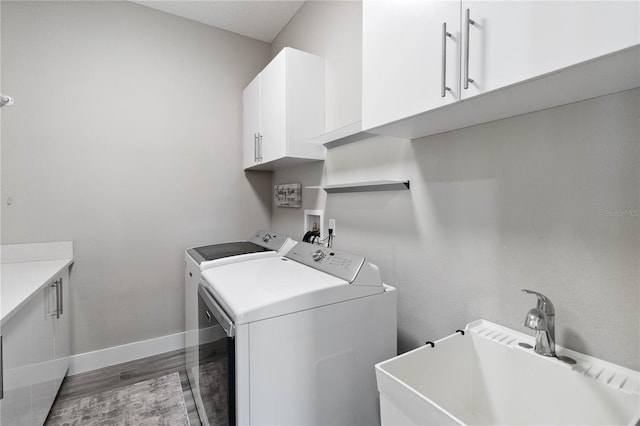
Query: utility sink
[(486, 377)]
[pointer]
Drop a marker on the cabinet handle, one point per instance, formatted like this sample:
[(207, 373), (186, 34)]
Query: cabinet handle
[(1, 371), (255, 147), (61, 299), (55, 312), (445, 34), (57, 282), (469, 22), (59, 302), (260, 147)]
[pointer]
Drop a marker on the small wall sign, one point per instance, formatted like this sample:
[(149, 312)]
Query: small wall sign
[(288, 195)]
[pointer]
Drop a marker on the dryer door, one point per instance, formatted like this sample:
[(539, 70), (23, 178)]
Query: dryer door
[(216, 362)]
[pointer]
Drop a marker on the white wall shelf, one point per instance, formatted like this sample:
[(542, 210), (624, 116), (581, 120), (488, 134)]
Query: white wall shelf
[(342, 136), (378, 185)]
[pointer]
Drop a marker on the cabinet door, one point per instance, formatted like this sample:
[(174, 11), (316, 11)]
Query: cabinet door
[(251, 124), (16, 373), (403, 58), (512, 41), (62, 331), (305, 103), (273, 109), (43, 371)]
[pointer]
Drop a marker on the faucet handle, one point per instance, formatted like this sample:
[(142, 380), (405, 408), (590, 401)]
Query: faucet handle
[(544, 303)]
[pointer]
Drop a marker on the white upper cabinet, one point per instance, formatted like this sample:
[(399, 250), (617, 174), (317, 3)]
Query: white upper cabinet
[(506, 58), (405, 50), (283, 110), (251, 122), (274, 119), (513, 41)]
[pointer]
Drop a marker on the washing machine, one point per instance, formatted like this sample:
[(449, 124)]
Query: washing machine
[(293, 339), (258, 245)]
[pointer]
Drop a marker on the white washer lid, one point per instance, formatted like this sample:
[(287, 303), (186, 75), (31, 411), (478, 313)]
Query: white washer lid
[(265, 288)]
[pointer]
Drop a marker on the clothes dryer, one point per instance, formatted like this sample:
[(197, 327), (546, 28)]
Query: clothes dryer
[(294, 339), (259, 245)]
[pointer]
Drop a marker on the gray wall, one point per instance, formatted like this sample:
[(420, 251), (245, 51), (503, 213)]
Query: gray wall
[(340, 44), (536, 201), (129, 144), (126, 138)]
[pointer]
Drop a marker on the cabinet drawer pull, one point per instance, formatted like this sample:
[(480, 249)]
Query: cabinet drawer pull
[(469, 22), (260, 147), (445, 34)]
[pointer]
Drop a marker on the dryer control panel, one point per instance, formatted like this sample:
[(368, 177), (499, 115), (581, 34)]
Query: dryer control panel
[(270, 240), (337, 263)]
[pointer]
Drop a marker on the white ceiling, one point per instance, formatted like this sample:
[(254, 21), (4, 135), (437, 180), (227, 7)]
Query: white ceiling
[(259, 19)]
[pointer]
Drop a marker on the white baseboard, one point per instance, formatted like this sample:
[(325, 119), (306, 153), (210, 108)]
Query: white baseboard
[(88, 361)]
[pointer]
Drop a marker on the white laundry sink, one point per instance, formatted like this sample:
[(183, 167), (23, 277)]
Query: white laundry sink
[(486, 377)]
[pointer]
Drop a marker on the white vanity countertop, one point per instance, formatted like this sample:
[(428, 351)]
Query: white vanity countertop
[(26, 268)]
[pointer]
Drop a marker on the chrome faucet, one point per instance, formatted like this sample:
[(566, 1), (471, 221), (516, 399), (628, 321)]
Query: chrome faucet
[(542, 319)]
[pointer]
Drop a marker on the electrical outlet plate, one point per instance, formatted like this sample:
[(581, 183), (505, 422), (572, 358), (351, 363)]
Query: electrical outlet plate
[(314, 219)]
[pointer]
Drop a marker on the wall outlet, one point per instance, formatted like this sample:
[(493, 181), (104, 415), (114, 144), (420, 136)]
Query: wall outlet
[(332, 225)]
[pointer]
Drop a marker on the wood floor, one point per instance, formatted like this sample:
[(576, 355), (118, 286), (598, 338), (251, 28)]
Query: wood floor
[(96, 381)]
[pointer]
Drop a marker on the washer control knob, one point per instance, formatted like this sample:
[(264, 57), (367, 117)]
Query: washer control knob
[(318, 255), (266, 238)]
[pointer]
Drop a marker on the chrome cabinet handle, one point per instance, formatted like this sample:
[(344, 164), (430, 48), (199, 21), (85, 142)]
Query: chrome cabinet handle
[(57, 299), (61, 299), (1, 371), (255, 147), (469, 22), (59, 302), (443, 87), (55, 312), (260, 147)]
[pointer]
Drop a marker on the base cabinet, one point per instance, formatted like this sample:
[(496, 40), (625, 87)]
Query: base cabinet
[(16, 370), (42, 358), (62, 332), (36, 354)]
